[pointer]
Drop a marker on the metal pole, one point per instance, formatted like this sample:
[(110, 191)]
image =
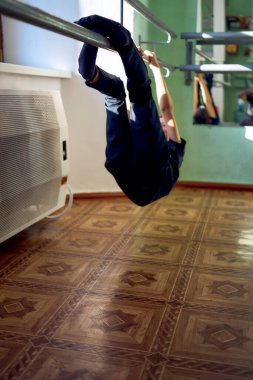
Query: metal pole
[(121, 11), (138, 6), (188, 59), (217, 68), (166, 65), (219, 36), (37, 17), (224, 42), (199, 52)]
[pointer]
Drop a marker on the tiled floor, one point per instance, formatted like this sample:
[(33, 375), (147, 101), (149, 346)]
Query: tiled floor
[(112, 291)]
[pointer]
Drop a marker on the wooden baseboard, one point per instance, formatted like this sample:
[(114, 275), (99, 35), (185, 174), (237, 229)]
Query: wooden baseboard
[(100, 195), (214, 185), (205, 185)]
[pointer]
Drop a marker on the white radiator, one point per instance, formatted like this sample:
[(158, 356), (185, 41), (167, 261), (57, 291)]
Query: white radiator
[(33, 158)]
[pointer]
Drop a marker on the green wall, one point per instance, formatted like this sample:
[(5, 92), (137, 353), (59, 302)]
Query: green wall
[(213, 154), (236, 8)]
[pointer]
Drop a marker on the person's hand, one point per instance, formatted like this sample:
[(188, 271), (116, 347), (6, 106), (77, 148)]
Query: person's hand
[(152, 59), (149, 57), (165, 128)]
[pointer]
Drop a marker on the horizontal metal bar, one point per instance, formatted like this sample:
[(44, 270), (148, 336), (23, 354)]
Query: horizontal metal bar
[(217, 68), (166, 65), (222, 82), (37, 17), (218, 35), (199, 52), (161, 64), (154, 42), (138, 6), (225, 42)]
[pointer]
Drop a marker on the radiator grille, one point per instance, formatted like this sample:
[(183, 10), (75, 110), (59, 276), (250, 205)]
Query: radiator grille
[(30, 157)]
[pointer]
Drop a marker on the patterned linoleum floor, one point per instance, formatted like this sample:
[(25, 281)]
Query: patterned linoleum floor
[(112, 291)]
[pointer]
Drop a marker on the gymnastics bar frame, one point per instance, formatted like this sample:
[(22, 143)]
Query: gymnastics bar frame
[(37, 17), (214, 38), (139, 7)]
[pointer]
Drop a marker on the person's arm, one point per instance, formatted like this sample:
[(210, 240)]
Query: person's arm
[(164, 99), (206, 96), (195, 94)]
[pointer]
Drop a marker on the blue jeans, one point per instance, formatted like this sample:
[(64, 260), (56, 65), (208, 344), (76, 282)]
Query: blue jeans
[(143, 163)]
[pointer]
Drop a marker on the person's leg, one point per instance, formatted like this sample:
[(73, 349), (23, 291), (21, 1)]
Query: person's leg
[(120, 37), (119, 155), (148, 139), (149, 152), (87, 62), (95, 77), (151, 148), (118, 138)]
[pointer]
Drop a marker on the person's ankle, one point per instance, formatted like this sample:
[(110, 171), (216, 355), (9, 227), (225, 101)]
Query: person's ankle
[(95, 78)]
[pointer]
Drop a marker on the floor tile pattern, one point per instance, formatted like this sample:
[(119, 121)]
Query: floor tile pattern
[(113, 291)]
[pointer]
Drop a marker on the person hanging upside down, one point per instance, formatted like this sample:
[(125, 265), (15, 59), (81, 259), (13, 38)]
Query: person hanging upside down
[(204, 108), (143, 153)]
